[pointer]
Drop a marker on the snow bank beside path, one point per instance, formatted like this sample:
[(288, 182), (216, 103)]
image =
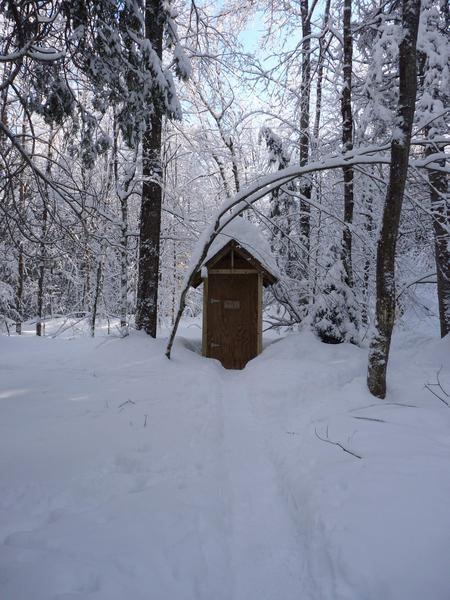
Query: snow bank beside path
[(376, 527), (125, 475)]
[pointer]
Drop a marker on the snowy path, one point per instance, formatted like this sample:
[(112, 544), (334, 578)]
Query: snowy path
[(266, 556)]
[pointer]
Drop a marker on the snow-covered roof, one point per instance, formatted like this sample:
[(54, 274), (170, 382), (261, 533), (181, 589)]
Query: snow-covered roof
[(250, 238)]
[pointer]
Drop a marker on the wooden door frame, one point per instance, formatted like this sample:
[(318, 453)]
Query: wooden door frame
[(259, 314), (205, 318)]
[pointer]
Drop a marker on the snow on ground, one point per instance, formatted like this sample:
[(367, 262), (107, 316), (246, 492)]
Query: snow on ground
[(125, 475)]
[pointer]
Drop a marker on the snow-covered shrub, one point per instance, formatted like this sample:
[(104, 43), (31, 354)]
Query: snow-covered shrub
[(335, 313), (6, 304)]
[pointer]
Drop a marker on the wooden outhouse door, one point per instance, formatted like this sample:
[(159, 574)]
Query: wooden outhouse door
[(232, 319)]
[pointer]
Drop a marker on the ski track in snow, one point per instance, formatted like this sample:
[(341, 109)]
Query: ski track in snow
[(266, 556), (124, 475)]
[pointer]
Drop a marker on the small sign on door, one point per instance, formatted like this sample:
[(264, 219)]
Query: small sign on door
[(232, 304)]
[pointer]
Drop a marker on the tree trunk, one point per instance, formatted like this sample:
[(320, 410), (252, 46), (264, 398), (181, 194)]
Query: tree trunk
[(367, 203), (234, 165), (123, 194), (440, 205), (41, 278), (21, 257), (19, 289), (42, 250), (98, 289), (124, 267), (85, 301), (347, 142), (305, 92), (385, 288), (320, 65), (150, 224)]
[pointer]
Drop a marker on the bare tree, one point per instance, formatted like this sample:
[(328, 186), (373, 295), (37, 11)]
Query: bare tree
[(43, 244), (320, 67), (305, 94), (347, 139)]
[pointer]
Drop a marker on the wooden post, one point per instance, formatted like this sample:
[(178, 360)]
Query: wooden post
[(260, 306), (205, 318)]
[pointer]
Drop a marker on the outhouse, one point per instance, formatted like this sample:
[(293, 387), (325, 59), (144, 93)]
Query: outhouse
[(237, 267)]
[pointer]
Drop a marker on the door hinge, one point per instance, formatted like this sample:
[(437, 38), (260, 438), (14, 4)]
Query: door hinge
[(213, 345)]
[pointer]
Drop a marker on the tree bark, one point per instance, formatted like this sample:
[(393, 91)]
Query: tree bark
[(98, 289), (347, 141), (43, 249), (440, 205), (385, 287), (23, 191), (305, 92), (41, 278), (438, 182), (320, 65), (367, 203), (151, 202), (19, 289), (124, 267)]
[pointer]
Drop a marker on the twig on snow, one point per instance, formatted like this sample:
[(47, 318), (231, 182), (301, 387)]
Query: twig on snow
[(126, 402), (370, 419), (441, 390), (338, 444)]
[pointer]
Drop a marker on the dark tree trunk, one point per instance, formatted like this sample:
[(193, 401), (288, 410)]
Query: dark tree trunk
[(19, 289), (305, 92), (234, 164), (124, 267), (439, 193), (174, 281), (440, 205), (21, 258), (347, 141), (41, 278), (98, 289), (150, 224), (385, 288), (87, 277), (367, 202), (123, 193), (320, 65), (43, 249)]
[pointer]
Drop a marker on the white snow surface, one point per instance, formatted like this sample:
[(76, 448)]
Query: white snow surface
[(248, 236), (126, 475)]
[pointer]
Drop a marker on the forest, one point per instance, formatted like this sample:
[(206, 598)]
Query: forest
[(128, 128), (135, 133)]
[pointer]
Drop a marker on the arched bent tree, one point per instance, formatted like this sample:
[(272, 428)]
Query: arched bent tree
[(263, 186)]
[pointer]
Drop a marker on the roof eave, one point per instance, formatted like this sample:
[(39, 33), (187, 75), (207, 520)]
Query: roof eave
[(268, 277)]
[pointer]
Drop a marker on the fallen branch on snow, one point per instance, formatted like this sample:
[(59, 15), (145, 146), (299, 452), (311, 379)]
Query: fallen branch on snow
[(338, 444), (442, 393)]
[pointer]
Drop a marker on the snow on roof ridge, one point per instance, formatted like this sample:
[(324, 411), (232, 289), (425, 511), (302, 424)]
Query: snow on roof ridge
[(250, 237)]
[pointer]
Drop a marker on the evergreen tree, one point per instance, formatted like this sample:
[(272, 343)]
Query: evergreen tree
[(335, 315)]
